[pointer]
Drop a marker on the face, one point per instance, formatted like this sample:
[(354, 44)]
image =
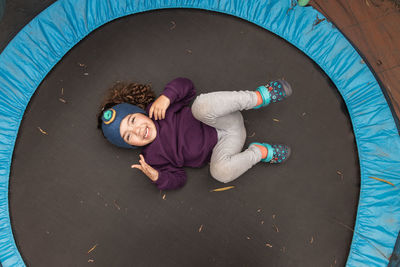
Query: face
[(137, 129)]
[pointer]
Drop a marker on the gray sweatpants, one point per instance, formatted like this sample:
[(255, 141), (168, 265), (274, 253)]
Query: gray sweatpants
[(221, 110)]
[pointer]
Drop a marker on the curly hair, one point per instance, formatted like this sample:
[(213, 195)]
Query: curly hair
[(133, 93)]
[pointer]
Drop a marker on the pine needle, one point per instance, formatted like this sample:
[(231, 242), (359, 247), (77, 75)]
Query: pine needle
[(42, 131), (382, 180), (90, 250), (222, 189)]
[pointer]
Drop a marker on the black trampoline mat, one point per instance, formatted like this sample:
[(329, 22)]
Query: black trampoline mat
[(71, 191)]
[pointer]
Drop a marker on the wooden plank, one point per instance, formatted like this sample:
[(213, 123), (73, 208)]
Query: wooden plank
[(373, 27)]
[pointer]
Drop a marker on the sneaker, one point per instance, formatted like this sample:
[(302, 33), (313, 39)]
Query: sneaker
[(274, 92), (277, 153)]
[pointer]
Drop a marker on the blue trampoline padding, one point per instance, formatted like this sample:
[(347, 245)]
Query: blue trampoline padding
[(46, 39)]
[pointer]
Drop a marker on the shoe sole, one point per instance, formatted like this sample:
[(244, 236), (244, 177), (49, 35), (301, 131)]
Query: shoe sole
[(286, 87), (289, 152)]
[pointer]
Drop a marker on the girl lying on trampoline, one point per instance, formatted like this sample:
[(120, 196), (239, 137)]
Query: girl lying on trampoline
[(173, 135)]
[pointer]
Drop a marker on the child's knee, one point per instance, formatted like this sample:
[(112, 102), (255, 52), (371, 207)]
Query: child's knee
[(200, 108), (221, 172)]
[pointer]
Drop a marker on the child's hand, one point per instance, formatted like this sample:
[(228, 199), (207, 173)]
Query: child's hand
[(159, 107), (146, 169)]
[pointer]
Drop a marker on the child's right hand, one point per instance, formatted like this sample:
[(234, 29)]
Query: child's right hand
[(146, 169), (159, 107)]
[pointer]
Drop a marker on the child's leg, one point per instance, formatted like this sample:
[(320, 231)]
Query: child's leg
[(227, 161), (208, 108)]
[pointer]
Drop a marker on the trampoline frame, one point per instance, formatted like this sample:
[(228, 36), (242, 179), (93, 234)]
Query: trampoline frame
[(40, 45)]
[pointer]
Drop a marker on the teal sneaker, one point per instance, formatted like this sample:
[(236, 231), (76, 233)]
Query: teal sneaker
[(275, 91), (277, 153)]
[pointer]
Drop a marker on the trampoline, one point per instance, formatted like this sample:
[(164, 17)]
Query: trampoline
[(70, 198)]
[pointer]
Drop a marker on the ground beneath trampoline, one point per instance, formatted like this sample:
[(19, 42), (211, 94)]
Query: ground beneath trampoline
[(75, 200)]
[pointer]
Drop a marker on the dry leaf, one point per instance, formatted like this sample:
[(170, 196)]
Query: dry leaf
[(262, 222), (62, 100), (173, 25), (312, 240), (276, 228), (248, 238), (164, 196), (259, 210), (116, 205), (222, 189), (201, 228), (81, 65), (62, 91), (268, 245), (90, 260), (341, 174), (90, 250), (42, 131), (382, 180), (273, 216), (276, 120), (317, 21), (366, 1)]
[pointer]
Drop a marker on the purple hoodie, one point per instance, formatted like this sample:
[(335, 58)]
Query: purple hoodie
[(181, 139)]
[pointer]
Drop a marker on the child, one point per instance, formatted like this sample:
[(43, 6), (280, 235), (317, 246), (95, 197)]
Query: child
[(173, 135)]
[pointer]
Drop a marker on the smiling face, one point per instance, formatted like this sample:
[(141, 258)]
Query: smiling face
[(137, 129)]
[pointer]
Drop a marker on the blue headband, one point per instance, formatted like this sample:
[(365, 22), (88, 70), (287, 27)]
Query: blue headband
[(112, 118)]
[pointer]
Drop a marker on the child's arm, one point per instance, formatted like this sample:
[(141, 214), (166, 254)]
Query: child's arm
[(170, 177), (180, 90), (165, 177)]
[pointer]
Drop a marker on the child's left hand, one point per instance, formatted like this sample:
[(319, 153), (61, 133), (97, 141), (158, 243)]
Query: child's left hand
[(146, 169), (159, 107)]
